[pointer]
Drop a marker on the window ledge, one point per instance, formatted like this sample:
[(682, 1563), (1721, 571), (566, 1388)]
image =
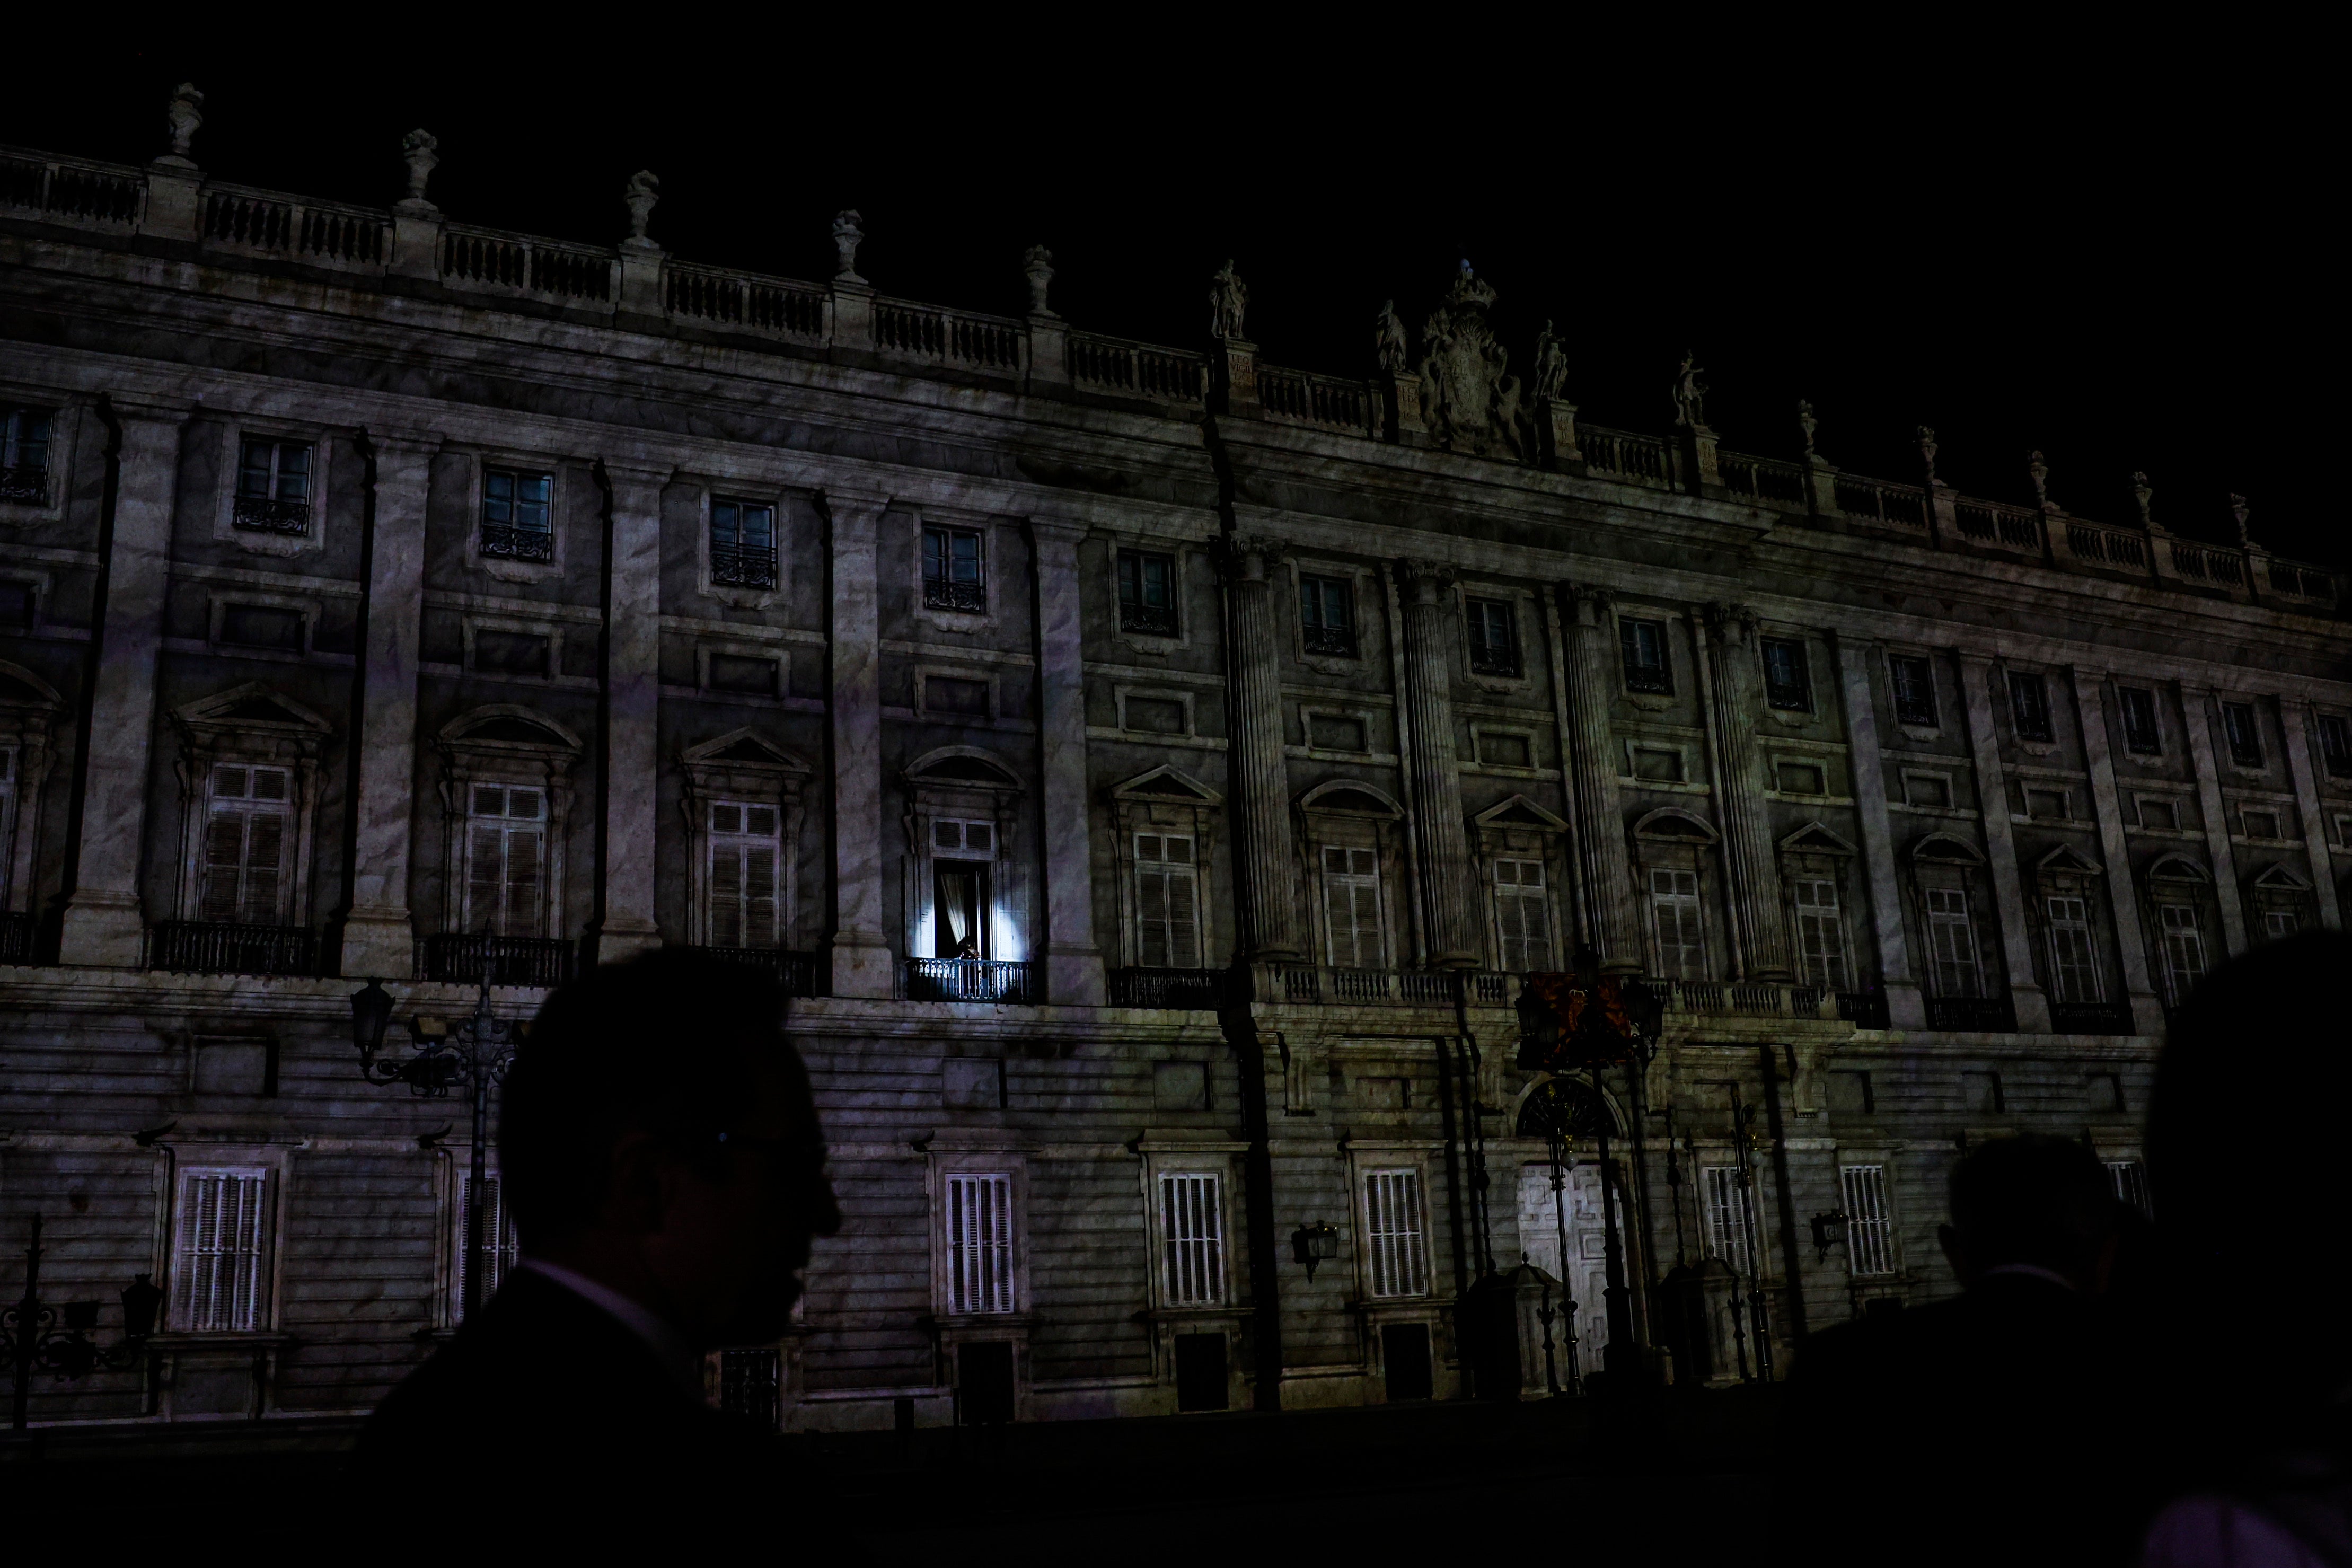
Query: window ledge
[(181, 1340)]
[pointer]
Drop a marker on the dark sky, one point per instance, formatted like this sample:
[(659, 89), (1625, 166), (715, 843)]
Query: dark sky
[(2110, 252)]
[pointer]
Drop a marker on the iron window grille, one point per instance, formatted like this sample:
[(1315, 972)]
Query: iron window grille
[(1493, 637), (517, 524), (979, 1243), (742, 544), (1192, 1239), (25, 456), (2245, 736), (1788, 683), (2140, 731), (1327, 616), (1644, 646), (953, 574), (1869, 1236), (1147, 594), (2028, 706), (273, 488), (2335, 744), (1915, 690), (1393, 1233)]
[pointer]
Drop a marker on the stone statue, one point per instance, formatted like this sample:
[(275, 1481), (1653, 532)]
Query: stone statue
[(2142, 492), (1037, 267), (185, 114), (1551, 373), (2041, 472), (849, 230), (1228, 299), (1690, 395), (1806, 421), (643, 191), (1471, 405), (2239, 512), (1928, 452), (422, 150), (1388, 338)]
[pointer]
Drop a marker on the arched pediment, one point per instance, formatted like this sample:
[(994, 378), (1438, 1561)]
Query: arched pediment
[(1170, 784), (2178, 867), (251, 706), (962, 767), (1519, 810), (2281, 877), (1815, 838), (20, 688), (1672, 822), (1949, 848), (2066, 858), (1352, 797), (745, 749), (509, 725)]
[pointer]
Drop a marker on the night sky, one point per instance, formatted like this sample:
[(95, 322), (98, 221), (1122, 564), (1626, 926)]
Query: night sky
[(2111, 253)]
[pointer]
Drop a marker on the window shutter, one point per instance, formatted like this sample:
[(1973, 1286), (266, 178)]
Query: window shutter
[(725, 892), (265, 850), (500, 1248), (219, 1249), (760, 895), (1152, 915), (522, 910), (979, 1243), (486, 874), (223, 860)]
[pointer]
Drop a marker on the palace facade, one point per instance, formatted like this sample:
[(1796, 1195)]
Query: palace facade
[(1148, 769)]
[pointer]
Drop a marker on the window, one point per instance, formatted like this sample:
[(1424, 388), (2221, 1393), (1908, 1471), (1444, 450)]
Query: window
[(1392, 1234), (1730, 1220), (962, 851), (2028, 706), (2245, 736), (1192, 1240), (1493, 637), (500, 1245), (517, 524), (220, 1250), (1155, 715), (1504, 750), (1673, 915), (1797, 778), (738, 672), (273, 487), (2159, 813), (1657, 766), (1522, 917), (1327, 619), (1821, 933), (1335, 733), (2140, 731), (1166, 902), (1869, 1238), (1352, 906), (1915, 690), (506, 860), (1952, 943), (1643, 647), (744, 860), (2047, 804), (248, 833), (2335, 744), (1927, 789), (1147, 594), (952, 579), (25, 456), (958, 698), (2259, 824), (2278, 924), (979, 1243), (1787, 681), (261, 626), (2130, 1179), (742, 544), (2184, 950), (2073, 961)]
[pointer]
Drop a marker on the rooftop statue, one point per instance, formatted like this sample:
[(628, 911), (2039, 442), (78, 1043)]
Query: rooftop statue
[(1388, 338), (1473, 407), (1228, 299), (1690, 394), (1551, 366)]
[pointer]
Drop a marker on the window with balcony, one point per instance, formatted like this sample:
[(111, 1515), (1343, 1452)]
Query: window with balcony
[(518, 520), (2243, 733), (2073, 955), (1354, 932), (2335, 744), (1166, 902), (742, 544), (2182, 936), (1147, 594), (248, 841), (1192, 1240), (1522, 917), (1821, 933), (1952, 942), (962, 854), (2141, 732), (954, 569), (2028, 706), (1915, 690), (979, 1236), (1327, 616), (506, 861), (1494, 636), (744, 870), (1787, 682), (25, 456), (221, 1238), (1674, 925), (1643, 647), (273, 487), (1395, 1235)]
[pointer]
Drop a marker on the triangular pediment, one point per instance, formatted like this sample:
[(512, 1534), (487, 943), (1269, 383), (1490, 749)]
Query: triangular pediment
[(744, 748), (1815, 838), (1519, 810), (2066, 858), (2281, 877), (1167, 782), (252, 703)]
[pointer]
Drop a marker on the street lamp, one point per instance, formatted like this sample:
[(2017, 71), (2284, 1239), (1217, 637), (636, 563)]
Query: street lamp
[(474, 1054), (1314, 1242), (59, 1340)]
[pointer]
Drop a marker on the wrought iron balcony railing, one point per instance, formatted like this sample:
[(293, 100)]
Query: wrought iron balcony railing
[(1203, 989), (972, 598), (467, 958), (971, 980), (2091, 1017), (744, 566), (261, 515), (1863, 1009), (25, 483), (1649, 678), (1148, 620), (1339, 642), (223, 947), (1985, 1014), (796, 973), (1330, 986), (510, 543)]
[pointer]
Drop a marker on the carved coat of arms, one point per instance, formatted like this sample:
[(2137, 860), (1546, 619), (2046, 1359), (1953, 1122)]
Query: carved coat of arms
[(1471, 405)]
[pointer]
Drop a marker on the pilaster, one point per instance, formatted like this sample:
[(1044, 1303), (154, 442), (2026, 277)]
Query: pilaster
[(1438, 835), (861, 953), (103, 920), (632, 713), (2296, 719), (850, 314), (1266, 859), (1905, 1007), (1235, 370), (2114, 850), (2199, 708), (1049, 350), (176, 200), (2025, 991), (1557, 421), (1074, 962), (1589, 685), (1746, 836)]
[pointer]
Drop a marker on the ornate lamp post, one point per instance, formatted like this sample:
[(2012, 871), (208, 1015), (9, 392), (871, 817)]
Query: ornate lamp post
[(473, 1055), (59, 1340)]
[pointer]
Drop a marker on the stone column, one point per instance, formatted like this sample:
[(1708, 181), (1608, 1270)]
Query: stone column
[(1591, 686), (1073, 965), (1856, 660), (861, 952), (103, 920), (632, 713), (1439, 839), (1265, 862), (379, 936), (2123, 903), (2295, 717), (2000, 847), (1732, 711), (2202, 716)]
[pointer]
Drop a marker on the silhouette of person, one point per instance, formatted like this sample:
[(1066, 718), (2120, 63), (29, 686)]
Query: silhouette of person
[(660, 1155), (1989, 1427), (2245, 1164)]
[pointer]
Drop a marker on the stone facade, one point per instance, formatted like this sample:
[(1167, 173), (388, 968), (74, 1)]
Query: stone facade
[(1147, 767)]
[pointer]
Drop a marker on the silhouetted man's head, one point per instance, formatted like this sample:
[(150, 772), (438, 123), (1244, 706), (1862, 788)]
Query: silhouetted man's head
[(2045, 1202), (659, 1135)]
